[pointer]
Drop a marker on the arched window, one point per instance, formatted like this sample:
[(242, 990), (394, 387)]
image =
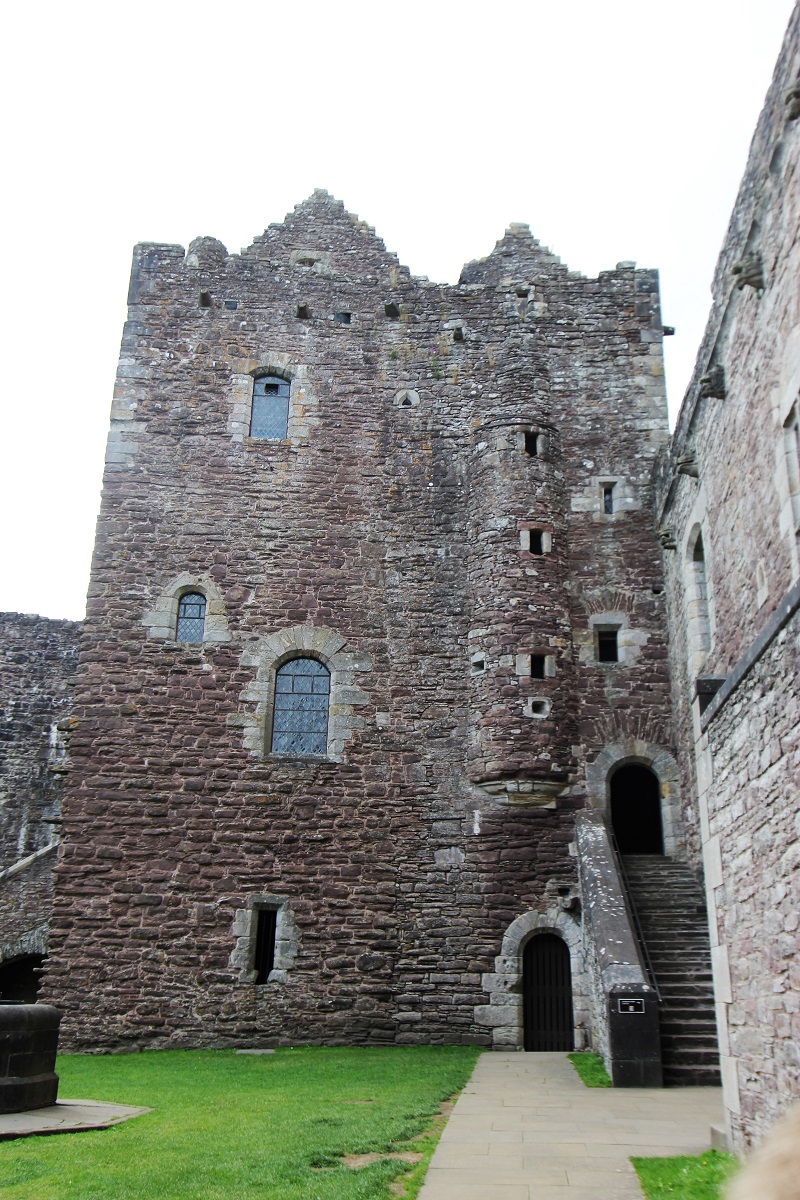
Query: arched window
[(300, 714), (191, 617), (698, 612), (270, 413)]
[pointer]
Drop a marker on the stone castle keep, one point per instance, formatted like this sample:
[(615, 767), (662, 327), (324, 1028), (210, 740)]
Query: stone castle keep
[(424, 680)]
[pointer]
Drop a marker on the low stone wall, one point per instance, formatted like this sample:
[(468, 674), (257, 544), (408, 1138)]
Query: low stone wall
[(630, 1049), (38, 659)]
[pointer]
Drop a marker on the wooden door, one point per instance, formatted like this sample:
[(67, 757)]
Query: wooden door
[(547, 994)]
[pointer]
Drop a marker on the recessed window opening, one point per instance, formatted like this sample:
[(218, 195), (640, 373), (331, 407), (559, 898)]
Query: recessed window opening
[(537, 666), (392, 310), (264, 961), (232, 304), (607, 646), (205, 299), (537, 541), (608, 497), (270, 416), (303, 312), (300, 715), (531, 443), (458, 334), (477, 664), (698, 611), (540, 708), (191, 617), (342, 318), (791, 442)]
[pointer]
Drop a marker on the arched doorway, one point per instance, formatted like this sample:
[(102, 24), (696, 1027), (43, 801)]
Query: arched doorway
[(547, 994), (19, 979), (636, 810)]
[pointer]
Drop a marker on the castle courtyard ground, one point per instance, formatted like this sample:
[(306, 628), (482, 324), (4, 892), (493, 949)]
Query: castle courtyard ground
[(526, 1128)]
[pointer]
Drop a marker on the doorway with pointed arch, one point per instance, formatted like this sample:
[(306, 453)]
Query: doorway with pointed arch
[(635, 802)]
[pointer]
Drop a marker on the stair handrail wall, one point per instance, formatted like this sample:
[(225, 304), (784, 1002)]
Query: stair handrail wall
[(625, 1002), (632, 913)]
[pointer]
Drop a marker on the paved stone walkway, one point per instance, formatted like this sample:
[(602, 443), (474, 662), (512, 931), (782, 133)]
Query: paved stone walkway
[(66, 1116), (526, 1128)]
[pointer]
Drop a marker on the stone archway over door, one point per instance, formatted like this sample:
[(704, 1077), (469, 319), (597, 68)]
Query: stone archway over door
[(636, 810), (547, 994)]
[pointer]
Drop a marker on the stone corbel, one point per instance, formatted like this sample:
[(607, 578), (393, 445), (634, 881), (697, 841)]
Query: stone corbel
[(749, 272), (667, 538), (712, 384), (686, 464)]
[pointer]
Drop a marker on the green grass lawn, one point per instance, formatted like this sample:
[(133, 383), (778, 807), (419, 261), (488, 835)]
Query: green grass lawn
[(590, 1067), (685, 1178), (242, 1127)]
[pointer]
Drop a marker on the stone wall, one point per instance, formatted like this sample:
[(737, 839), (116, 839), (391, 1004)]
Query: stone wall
[(38, 659), (389, 536), (729, 505)]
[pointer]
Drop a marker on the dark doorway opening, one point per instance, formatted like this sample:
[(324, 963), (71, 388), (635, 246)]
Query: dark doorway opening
[(547, 994), (19, 979), (636, 811)]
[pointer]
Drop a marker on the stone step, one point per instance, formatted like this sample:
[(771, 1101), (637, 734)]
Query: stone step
[(691, 1077), (671, 911)]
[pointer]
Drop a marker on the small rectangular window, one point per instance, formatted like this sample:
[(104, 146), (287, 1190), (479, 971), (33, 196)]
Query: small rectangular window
[(531, 443), (608, 498), (537, 666), (607, 648), (265, 943), (537, 541), (342, 318)]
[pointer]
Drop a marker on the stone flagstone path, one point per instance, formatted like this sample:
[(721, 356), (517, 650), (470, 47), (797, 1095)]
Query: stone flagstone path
[(526, 1128)]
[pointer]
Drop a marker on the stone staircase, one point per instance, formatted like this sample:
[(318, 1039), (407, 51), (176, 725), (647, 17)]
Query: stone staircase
[(671, 909)]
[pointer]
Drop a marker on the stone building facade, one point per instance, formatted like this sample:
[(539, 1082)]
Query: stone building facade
[(452, 521), (729, 512), (38, 659), (398, 589)]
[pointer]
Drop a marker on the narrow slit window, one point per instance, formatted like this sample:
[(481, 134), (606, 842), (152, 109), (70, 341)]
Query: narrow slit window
[(607, 646), (531, 444), (300, 718), (608, 498), (270, 416), (191, 617), (537, 541), (267, 920), (537, 666)]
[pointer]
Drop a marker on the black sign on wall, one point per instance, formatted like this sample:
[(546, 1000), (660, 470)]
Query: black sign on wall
[(631, 1004)]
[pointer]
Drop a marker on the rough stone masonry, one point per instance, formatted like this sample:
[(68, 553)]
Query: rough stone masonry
[(460, 504)]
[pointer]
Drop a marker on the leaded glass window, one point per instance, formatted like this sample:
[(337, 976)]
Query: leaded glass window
[(300, 719), (191, 617), (270, 415)]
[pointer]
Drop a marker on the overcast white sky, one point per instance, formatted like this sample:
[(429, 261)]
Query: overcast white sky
[(618, 129)]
